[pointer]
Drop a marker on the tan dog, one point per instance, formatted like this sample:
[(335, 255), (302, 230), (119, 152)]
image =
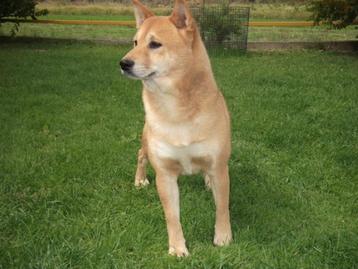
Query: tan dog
[(187, 124)]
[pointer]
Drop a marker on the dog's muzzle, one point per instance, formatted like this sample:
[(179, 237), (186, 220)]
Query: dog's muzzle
[(127, 68), (126, 65)]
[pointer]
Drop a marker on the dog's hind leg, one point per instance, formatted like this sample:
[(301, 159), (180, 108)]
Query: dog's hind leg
[(141, 175)]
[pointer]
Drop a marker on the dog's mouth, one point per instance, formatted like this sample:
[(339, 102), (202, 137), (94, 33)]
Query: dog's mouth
[(130, 74), (150, 75)]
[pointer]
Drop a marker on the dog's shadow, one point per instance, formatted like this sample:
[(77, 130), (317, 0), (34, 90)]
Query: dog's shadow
[(263, 207), (256, 205)]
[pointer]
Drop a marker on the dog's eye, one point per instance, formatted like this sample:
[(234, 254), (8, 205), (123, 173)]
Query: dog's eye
[(135, 43), (154, 45)]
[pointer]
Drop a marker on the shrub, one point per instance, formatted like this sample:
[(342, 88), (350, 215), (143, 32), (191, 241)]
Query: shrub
[(19, 9), (337, 13), (219, 23)]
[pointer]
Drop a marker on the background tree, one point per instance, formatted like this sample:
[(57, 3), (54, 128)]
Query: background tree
[(19, 9), (337, 13)]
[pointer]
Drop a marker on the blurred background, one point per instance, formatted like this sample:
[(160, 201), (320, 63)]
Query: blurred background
[(263, 16)]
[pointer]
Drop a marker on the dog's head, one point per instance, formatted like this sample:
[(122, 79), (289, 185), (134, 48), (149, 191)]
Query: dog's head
[(162, 45)]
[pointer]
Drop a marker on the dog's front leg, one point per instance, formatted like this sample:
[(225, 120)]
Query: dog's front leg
[(220, 185), (169, 196)]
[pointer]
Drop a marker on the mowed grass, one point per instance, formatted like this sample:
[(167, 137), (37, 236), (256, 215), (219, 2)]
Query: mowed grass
[(118, 12), (70, 131), (301, 34), (108, 8), (95, 33), (125, 34)]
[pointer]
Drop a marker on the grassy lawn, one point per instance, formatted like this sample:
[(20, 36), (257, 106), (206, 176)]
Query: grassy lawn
[(70, 131), (258, 11), (116, 12), (115, 33), (88, 17), (310, 34), (57, 31)]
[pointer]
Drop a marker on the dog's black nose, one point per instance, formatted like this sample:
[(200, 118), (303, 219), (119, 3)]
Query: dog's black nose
[(126, 64)]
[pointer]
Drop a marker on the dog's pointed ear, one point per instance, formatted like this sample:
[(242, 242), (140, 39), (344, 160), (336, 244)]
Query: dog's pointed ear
[(181, 16), (141, 12)]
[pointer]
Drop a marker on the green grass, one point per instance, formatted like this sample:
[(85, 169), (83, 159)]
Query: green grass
[(279, 11), (266, 11), (88, 17), (110, 11), (115, 33), (58, 31), (108, 8), (293, 34), (70, 131)]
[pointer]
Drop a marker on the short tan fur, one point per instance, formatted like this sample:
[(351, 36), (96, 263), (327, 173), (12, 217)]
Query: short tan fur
[(187, 124)]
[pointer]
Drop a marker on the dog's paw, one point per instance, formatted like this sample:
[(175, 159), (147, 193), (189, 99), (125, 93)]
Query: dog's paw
[(141, 182), (178, 251), (222, 239)]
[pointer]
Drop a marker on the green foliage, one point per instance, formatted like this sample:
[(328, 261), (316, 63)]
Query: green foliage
[(218, 23), (337, 13), (19, 9)]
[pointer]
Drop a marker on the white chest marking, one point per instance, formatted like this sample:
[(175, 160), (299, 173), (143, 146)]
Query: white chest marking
[(182, 154)]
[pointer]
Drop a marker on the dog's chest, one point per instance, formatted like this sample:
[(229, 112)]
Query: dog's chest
[(177, 141), (191, 157)]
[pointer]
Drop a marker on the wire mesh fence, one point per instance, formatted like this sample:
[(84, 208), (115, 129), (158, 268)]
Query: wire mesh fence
[(222, 25)]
